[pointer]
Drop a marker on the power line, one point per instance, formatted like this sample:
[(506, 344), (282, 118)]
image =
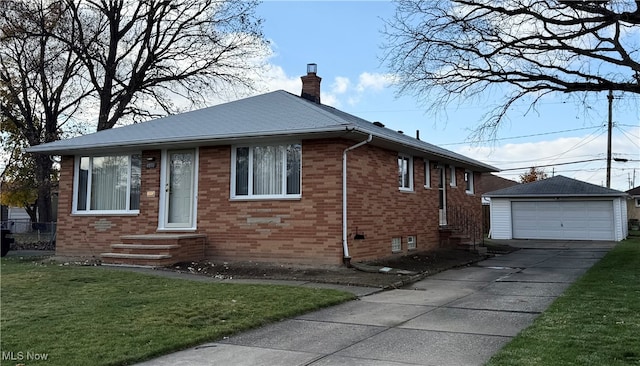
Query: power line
[(557, 164), (599, 169), (627, 136), (524, 136), (580, 144), (545, 158)]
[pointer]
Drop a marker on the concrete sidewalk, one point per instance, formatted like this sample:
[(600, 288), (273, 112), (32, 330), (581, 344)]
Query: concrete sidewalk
[(457, 317)]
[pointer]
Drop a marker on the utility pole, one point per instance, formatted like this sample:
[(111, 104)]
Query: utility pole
[(610, 127)]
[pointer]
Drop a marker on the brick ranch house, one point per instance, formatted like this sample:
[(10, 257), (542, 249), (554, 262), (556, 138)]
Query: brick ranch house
[(274, 177)]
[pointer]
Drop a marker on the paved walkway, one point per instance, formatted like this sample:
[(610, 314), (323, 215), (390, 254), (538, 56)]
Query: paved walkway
[(457, 317)]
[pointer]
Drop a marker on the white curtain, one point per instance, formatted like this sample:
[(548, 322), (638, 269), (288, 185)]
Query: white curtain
[(109, 183), (403, 172), (267, 169)]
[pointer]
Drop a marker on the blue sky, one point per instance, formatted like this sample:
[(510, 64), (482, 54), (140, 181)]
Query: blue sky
[(343, 38)]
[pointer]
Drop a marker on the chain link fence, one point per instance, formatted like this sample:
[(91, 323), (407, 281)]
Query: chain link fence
[(28, 235)]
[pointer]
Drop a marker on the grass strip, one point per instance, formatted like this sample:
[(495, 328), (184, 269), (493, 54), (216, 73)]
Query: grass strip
[(74, 315), (595, 322)]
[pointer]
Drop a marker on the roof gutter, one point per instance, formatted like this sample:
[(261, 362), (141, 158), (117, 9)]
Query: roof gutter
[(345, 245)]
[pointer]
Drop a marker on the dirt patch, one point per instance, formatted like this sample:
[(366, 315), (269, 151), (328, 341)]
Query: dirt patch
[(420, 264)]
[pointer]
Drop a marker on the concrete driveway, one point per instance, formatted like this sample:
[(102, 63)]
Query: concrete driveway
[(458, 317)]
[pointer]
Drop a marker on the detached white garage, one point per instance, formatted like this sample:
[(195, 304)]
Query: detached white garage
[(558, 208)]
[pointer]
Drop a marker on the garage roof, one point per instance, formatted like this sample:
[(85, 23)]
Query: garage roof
[(558, 186)]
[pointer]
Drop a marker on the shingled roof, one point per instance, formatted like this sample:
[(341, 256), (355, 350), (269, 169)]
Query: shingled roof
[(558, 186), (277, 114), (634, 191)]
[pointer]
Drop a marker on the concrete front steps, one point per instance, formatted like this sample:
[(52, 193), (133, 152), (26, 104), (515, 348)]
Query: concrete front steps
[(451, 237), (155, 250)]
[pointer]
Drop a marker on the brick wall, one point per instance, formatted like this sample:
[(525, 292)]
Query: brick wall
[(380, 211), (306, 230), (81, 235)]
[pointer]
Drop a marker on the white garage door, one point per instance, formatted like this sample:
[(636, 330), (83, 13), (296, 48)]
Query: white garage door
[(574, 220)]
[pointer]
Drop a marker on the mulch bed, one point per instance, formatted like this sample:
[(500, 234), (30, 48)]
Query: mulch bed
[(422, 264)]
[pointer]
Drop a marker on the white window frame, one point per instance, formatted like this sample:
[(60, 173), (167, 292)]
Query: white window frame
[(412, 243), (250, 195), (409, 160), (396, 245), (76, 186), (468, 180), (427, 174), (452, 179), (637, 200)]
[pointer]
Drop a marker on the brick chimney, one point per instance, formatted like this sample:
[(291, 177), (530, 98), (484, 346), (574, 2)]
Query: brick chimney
[(311, 84)]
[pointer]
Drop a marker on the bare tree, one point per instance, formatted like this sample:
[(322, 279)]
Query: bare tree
[(126, 59), (140, 54), (455, 50), (39, 90)]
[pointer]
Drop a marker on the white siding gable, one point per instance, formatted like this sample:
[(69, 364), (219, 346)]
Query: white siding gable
[(620, 218), (500, 218)]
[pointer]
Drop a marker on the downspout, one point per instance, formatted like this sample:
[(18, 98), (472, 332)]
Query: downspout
[(345, 246)]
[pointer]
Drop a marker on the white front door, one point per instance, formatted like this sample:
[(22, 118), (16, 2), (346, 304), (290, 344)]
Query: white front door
[(179, 188)]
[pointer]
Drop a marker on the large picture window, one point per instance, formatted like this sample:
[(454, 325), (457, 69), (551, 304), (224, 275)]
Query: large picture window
[(267, 171), (107, 184)]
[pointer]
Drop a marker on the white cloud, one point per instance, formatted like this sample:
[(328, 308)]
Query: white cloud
[(571, 149), (340, 85), (330, 99), (341, 90), (375, 81), (275, 78)]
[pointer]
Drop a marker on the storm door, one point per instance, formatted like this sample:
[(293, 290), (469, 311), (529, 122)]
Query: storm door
[(179, 188)]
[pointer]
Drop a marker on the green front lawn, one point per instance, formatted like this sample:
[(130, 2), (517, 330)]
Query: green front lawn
[(96, 316), (595, 322)]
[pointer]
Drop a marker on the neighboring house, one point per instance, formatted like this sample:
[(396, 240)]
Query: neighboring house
[(17, 220), (490, 182), (275, 177), (558, 208), (633, 204)]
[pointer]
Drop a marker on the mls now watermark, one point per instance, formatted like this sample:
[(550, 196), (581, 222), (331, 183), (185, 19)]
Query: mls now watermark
[(24, 356)]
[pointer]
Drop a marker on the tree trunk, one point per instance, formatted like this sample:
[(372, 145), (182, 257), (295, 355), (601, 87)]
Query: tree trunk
[(44, 166), (32, 210)]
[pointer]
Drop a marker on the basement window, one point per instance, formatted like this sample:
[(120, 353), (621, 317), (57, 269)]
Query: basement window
[(396, 245), (411, 242)]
